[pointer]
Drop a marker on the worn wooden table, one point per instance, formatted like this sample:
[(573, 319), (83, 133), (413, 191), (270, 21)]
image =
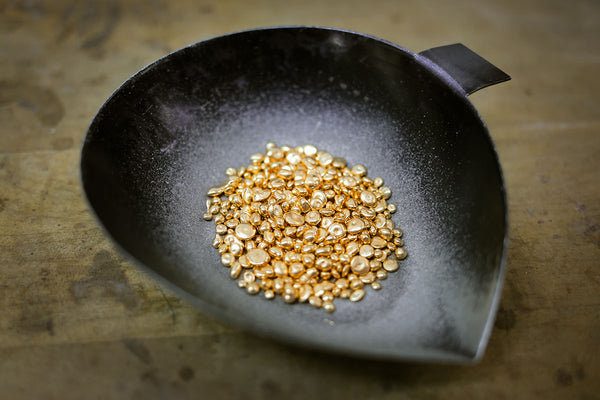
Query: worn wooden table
[(79, 321)]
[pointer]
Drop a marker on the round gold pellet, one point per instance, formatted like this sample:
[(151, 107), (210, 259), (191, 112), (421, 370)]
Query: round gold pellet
[(294, 218), (280, 268), (386, 192), (355, 225), (221, 229), (236, 249), (366, 251), (380, 207), (328, 306), (299, 223), (369, 277), (312, 217), (390, 265), (315, 301), (323, 263), (293, 157), (352, 248), (249, 276), (356, 284), (257, 257), (349, 181), (357, 295), (368, 198), (245, 231), (296, 269), (227, 259), (327, 296), (359, 170), (359, 265), (385, 233), (381, 274), (336, 230), (324, 158), (378, 242), (252, 288), (312, 181), (401, 253), (309, 150), (290, 298), (318, 200)]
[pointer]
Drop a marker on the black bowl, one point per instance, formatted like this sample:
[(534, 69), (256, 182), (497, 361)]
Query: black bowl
[(169, 132)]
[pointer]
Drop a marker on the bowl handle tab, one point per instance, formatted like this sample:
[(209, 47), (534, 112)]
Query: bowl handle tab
[(471, 71)]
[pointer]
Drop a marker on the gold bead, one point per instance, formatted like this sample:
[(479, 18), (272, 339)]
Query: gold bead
[(369, 277), (257, 257), (315, 301), (381, 274), (227, 259), (327, 296), (215, 191), (252, 288), (324, 158), (368, 198), (357, 295), (385, 233), (296, 269), (235, 270), (378, 242), (390, 265), (352, 248), (323, 263), (309, 150), (221, 229), (337, 230), (359, 265), (366, 251), (355, 225), (294, 219), (248, 276), (328, 306), (359, 170), (386, 192), (401, 253)]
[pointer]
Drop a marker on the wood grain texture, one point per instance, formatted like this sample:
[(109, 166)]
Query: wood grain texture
[(80, 321)]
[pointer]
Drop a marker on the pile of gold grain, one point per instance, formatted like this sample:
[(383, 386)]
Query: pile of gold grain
[(297, 222)]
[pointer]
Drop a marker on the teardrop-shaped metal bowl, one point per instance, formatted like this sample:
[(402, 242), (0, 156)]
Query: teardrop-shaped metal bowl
[(169, 132)]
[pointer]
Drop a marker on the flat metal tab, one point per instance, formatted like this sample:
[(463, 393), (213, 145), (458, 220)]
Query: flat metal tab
[(471, 71)]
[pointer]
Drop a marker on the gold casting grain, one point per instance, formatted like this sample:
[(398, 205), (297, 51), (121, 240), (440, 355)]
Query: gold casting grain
[(300, 224)]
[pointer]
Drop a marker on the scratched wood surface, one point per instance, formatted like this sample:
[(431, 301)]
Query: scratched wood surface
[(79, 321)]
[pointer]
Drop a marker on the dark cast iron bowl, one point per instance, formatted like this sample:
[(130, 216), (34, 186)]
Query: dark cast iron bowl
[(169, 132)]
